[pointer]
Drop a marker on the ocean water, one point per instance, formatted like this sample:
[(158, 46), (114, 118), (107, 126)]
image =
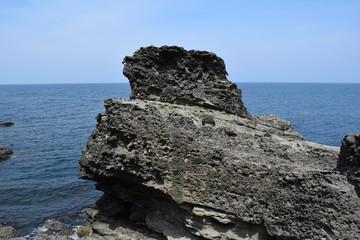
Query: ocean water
[(322, 113), (53, 122)]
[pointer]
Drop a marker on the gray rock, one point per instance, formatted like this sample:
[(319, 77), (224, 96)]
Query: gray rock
[(7, 232), (208, 120), (5, 153), (55, 230), (44, 236), (54, 225), (349, 159), (91, 214), (230, 131), (172, 74), (188, 181), (350, 153), (107, 228), (274, 121), (84, 231)]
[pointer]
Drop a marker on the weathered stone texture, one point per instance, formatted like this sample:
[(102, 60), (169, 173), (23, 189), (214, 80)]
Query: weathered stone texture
[(7, 232), (172, 74), (349, 160), (190, 171)]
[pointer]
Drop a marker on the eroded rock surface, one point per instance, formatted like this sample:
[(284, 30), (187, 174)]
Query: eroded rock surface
[(349, 160), (230, 176), (7, 232), (172, 74)]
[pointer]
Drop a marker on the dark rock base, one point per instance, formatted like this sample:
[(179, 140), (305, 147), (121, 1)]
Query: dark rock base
[(5, 153)]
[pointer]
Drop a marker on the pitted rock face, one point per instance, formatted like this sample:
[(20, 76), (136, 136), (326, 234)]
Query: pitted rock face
[(349, 159), (172, 74), (350, 153), (173, 159)]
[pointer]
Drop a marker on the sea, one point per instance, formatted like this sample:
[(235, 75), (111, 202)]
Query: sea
[(54, 121)]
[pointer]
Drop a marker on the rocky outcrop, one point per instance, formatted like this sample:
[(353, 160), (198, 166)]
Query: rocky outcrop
[(195, 171), (349, 160), (172, 74), (5, 153)]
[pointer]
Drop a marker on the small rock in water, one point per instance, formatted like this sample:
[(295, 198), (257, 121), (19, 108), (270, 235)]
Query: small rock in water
[(6, 124), (54, 225), (7, 232), (91, 213), (5, 153)]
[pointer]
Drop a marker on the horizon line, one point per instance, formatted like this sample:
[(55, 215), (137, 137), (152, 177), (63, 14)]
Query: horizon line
[(77, 83)]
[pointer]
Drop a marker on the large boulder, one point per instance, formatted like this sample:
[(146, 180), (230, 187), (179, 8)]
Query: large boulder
[(192, 171)]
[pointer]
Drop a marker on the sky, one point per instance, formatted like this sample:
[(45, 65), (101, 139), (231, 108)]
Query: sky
[(85, 41)]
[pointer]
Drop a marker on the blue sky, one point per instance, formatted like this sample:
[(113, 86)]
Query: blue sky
[(84, 41)]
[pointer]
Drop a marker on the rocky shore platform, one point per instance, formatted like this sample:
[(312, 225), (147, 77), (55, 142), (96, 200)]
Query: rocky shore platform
[(183, 159)]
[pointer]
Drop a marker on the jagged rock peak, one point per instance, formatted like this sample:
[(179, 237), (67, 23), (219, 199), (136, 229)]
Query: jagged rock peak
[(173, 74)]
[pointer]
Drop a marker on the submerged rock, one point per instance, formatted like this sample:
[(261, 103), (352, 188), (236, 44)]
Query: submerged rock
[(5, 153), (161, 166)]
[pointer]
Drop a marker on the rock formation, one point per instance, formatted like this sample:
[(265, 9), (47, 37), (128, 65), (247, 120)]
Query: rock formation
[(172, 74), (8, 233), (184, 158), (349, 160), (5, 153)]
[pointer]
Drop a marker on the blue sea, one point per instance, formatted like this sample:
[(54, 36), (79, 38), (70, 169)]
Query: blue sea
[(53, 122)]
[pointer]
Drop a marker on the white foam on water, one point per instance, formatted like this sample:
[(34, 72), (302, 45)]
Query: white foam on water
[(75, 236)]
